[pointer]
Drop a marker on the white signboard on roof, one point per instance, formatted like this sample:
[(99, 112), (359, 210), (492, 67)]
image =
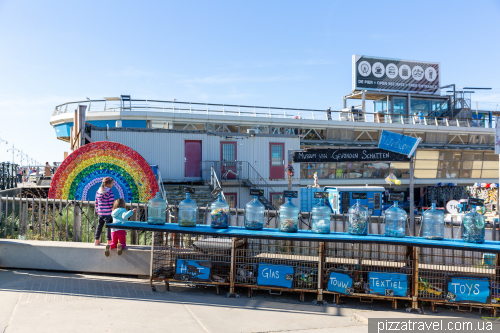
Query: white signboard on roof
[(386, 74)]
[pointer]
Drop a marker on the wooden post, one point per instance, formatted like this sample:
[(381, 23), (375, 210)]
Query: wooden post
[(232, 274), (1, 211), (133, 233), (321, 261), (77, 223), (40, 217), (414, 258), (32, 226), (46, 214), (53, 218), (13, 215)]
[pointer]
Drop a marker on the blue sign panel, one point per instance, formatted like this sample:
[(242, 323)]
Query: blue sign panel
[(398, 143), (339, 283), (388, 284), (275, 276), (463, 289), (193, 270)]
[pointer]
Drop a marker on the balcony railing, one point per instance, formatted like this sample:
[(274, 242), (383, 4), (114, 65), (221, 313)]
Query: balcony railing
[(143, 105)]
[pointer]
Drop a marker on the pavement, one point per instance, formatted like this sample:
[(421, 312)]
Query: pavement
[(42, 301)]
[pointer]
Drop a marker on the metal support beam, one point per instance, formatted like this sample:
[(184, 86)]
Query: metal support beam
[(412, 199)]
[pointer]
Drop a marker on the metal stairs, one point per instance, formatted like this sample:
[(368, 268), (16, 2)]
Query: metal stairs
[(263, 200)]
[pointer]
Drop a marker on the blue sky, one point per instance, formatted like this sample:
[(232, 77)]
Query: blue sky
[(293, 54)]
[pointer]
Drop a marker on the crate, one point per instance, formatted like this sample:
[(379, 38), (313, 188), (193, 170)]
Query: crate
[(368, 271)]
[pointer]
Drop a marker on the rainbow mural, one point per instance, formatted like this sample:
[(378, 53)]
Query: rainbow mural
[(81, 173)]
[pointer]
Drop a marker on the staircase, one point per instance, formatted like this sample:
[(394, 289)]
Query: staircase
[(263, 199), (202, 195)]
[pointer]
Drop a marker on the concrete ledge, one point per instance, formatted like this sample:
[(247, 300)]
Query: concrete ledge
[(73, 257)]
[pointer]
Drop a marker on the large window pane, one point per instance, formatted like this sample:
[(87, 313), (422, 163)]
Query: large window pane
[(425, 173), (490, 157), (476, 174), (426, 164), (427, 155), (490, 174), (399, 106), (490, 165)]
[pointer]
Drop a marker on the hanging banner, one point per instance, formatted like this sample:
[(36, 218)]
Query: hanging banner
[(348, 155), (385, 74), (398, 143)]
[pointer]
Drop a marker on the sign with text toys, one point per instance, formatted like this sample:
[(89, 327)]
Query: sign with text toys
[(257, 192), (189, 190), (320, 195), (291, 194), (476, 202)]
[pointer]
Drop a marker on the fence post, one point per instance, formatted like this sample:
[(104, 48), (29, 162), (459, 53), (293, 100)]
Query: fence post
[(24, 206), (321, 260), (77, 223), (1, 212), (133, 233), (413, 251)]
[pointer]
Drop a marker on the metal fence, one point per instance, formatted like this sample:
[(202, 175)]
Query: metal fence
[(8, 175)]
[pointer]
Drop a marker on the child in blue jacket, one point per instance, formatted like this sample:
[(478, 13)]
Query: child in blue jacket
[(119, 236)]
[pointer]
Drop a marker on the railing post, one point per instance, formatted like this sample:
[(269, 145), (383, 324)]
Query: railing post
[(321, 260), (77, 223)]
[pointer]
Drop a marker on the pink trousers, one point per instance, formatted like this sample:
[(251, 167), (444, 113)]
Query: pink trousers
[(119, 235)]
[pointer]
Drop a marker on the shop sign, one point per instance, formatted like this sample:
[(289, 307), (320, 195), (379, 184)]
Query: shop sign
[(348, 155), (193, 270), (468, 290), (385, 74), (359, 195), (398, 143), (275, 275), (340, 283), (390, 284)]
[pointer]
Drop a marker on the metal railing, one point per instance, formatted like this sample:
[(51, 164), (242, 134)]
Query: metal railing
[(8, 176), (238, 172), (214, 181), (31, 175), (351, 115)]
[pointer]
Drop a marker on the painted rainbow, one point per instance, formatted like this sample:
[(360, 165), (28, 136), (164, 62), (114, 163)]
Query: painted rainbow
[(88, 165)]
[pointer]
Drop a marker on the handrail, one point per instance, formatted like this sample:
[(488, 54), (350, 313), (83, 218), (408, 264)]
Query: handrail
[(140, 105), (161, 187), (215, 182)]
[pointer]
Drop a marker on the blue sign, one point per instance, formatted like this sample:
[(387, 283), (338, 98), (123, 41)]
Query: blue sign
[(192, 270), (388, 283), (339, 282), (469, 290), (275, 276), (398, 143)]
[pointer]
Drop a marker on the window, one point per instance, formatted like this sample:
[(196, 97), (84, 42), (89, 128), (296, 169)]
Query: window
[(231, 199), (277, 199), (400, 106), (436, 137), (276, 155)]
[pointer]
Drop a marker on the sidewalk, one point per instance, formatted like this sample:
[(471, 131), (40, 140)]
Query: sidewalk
[(36, 301)]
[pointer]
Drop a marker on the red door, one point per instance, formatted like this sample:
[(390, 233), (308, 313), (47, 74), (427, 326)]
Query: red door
[(228, 159), (276, 160), (192, 158)]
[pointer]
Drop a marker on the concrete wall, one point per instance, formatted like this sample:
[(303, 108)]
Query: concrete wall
[(73, 257)]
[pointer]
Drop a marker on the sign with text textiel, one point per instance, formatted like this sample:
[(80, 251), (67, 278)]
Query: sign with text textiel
[(398, 143), (463, 289), (380, 282), (275, 275), (347, 155), (192, 270), (385, 74), (339, 283)]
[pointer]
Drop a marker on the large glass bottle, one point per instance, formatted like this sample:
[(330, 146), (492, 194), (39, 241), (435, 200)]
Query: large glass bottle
[(254, 214), (358, 219), (157, 210), (188, 212), (473, 227), (289, 217), (219, 212), (433, 221), (395, 221), (321, 218)]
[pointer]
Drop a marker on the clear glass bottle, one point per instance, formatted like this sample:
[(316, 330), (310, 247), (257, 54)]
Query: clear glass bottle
[(289, 217), (321, 218), (358, 220), (433, 221), (474, 227), (157, 210), (188, 212), (254, 214), (395, 221), (219, 213)]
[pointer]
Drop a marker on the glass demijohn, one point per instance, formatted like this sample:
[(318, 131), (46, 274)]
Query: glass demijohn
[(254, 214), (188, 212), (321, 218), (395, 221), (219, 213), (157, 210), (289, 217), (433, 224), (473, 227), (358, 220)]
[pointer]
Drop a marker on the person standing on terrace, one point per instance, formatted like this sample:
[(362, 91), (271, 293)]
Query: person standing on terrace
[(104, 206)]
